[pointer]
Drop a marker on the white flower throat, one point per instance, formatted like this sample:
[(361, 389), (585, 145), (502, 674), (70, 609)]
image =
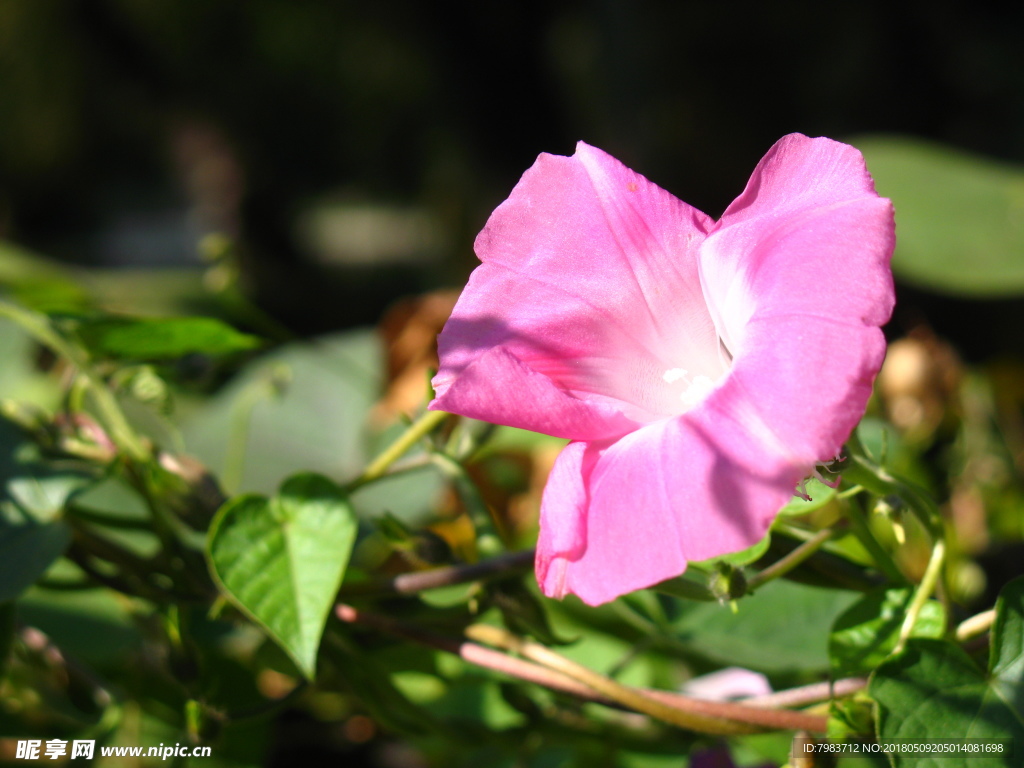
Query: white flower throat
[(695, 389)]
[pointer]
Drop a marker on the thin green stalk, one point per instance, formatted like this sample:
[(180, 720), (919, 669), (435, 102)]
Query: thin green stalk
[(419, 429), (238, 434), (686, 588), (787, 563), (420, 581), (875, 478), (111, 415), (924, 591), (849, 493)]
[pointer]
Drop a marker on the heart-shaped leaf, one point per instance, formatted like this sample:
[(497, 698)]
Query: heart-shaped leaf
[(865, 634), (933, 690), (281, 560)]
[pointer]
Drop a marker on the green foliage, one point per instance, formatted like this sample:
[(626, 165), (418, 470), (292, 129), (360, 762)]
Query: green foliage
[(139, 511), (282, 559), (934, 690), (161, 338), (39, 283), (866, 634), (27, 549), (959, 219), (33, 533), (781, 628), (818, 495), (303, 407)]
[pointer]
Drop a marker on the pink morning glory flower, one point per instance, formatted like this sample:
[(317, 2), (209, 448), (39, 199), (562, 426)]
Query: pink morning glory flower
[(701, 369)]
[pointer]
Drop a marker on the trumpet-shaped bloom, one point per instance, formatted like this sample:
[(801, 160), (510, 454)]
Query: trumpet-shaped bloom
[(701, 369)]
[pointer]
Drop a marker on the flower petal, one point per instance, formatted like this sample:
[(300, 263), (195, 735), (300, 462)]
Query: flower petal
[(563, 517), (500, 388), (552, 334), (808, 227), (589, 279), (798, 274), (689, 488), (812, 378), (797, 174), (607, 235)]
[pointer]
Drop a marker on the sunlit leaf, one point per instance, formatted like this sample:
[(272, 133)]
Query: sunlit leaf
[(934, 690), (281, 560), (818, 495), (162, 338), (865, 634), (959, 217)]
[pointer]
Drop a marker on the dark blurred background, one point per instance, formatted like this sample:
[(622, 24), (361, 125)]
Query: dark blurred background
[(353, 149)]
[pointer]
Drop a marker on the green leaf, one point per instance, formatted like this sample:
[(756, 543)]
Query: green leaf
[(933, 690), (319, 424), (866, 634), (281, 560), (782, 627), (42, 492), (95, 626), (39, 283), (161, 338), (819, 493), (959, 217), (27, 549), (738, 559), (33, 533), (1006, 664)]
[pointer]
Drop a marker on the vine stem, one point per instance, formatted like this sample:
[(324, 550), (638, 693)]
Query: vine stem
[(631, 698), (722, 717), (785, 564), (924, 591), (240, 423), (419, 429), (420, 581), (39, 327), (813, 693)]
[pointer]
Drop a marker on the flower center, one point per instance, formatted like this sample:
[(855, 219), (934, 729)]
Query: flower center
[(694, 388), (691, 387)]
